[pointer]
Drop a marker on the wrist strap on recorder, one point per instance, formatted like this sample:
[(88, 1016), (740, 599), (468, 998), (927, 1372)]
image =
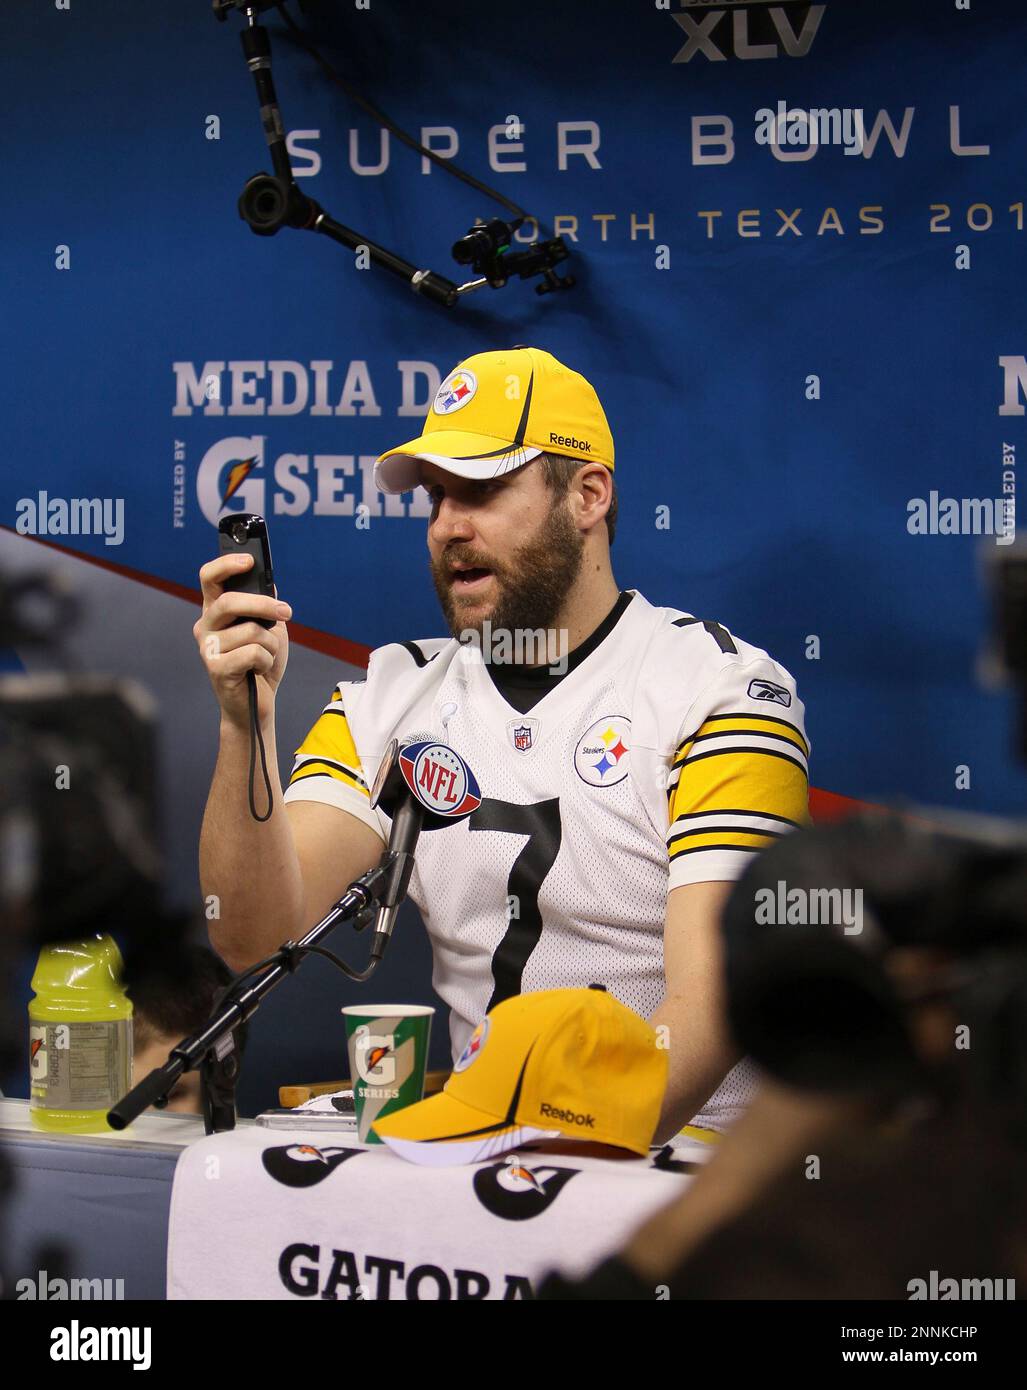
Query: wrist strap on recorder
[(256, 737)]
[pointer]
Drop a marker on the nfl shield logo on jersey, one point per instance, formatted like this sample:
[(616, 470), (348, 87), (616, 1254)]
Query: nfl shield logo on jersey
[(523, 733)]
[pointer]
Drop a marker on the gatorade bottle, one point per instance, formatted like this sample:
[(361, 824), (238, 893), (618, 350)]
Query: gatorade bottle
[(80, 1036)]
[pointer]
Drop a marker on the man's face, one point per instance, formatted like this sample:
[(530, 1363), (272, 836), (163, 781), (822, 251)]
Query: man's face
[(500, 549)]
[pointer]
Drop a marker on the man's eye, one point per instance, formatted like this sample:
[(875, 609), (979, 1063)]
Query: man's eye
[(483, 487)]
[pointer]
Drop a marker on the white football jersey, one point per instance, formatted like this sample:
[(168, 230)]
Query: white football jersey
[(670, 755)]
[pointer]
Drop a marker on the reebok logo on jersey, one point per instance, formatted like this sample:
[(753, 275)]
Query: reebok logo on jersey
[(767, 690), (568, 1116), (570, 442)]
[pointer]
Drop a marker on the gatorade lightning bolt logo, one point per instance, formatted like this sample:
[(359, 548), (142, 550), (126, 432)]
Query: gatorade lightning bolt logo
[(517, 1173), (303, 1165), (38, 1061), (516, 1192), (375, 1057), (237, 475)]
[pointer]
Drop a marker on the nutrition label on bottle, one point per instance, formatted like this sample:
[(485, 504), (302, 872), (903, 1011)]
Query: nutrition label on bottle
[(80, 1066)]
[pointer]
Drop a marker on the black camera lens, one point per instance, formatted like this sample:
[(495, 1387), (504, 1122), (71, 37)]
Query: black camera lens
[(240, 533)]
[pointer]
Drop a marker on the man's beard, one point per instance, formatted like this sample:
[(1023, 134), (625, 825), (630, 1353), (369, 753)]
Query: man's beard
[(532, 587)]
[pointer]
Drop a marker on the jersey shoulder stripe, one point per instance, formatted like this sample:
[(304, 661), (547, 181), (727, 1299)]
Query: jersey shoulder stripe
[(720, 635), (329, 750), (737, 771), (417, 650)]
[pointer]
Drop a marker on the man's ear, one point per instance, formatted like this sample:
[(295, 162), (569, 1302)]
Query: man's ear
[(595, 483)]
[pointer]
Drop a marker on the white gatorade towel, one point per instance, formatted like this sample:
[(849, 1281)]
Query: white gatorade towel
[(262, 1214)]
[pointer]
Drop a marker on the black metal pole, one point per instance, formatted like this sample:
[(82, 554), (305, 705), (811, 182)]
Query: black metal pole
[(240, 1003)]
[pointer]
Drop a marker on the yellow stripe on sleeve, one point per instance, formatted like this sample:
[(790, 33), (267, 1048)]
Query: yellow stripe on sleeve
[(765, 725), (329, 751), (729, 786)]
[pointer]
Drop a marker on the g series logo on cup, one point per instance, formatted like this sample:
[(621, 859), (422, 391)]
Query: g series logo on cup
[(388, 1056)]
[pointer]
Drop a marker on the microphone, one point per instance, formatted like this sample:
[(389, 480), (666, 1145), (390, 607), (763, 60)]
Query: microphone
[(420, 785)]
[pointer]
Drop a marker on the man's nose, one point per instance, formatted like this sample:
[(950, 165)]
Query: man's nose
[(452, 522)]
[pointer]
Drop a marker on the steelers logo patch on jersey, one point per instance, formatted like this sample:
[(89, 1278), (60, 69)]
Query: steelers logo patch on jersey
[(475, 1043), (455, 392), (601, 757)]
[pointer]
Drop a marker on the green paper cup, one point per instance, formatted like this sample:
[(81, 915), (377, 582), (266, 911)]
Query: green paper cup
[(388, 1056)]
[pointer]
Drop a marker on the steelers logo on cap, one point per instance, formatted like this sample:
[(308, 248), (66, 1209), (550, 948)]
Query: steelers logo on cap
[(454, 393), (474, 1045)]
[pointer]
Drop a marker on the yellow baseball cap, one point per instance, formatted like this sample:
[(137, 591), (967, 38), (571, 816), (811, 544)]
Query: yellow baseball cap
[(495, 412), (557, 1063)]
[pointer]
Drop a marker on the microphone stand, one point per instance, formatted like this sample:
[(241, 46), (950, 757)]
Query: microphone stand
[(212, 1049), (269, 202), (381, 890)]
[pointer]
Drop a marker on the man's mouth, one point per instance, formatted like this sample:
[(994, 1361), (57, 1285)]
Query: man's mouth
[(466, 579)]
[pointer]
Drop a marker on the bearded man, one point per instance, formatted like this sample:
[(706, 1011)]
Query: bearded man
[(631, 758)]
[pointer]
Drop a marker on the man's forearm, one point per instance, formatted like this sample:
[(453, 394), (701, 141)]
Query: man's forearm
[(249, 871), (698, 1060)]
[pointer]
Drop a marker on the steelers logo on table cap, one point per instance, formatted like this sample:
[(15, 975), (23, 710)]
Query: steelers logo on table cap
[(473, 1047), (455, 392)]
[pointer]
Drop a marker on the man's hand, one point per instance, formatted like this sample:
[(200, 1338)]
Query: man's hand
[(230, 651), (693, 1006)]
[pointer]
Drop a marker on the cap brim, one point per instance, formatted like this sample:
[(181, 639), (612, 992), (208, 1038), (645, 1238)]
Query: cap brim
[(467, 455), (440, 1132)]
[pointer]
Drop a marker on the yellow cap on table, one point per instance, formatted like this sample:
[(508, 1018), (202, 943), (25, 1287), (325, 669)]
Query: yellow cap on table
[(567, 1062)]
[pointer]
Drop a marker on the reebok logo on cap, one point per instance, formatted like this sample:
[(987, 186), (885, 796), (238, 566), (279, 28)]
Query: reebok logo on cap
[(568, 1116), (570, 442)]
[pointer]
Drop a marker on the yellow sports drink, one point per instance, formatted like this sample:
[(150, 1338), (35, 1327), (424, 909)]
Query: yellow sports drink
[(80, 1035)]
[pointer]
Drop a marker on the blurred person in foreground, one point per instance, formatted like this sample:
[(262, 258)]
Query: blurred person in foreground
[(885, 1155)]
